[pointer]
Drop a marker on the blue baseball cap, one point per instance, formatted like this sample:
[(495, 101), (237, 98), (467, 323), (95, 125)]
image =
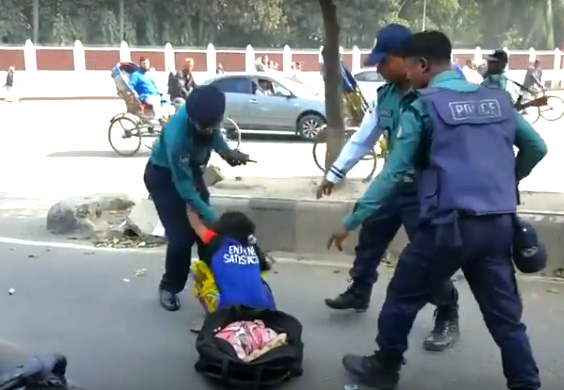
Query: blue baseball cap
[(389, 40), (529, 254)]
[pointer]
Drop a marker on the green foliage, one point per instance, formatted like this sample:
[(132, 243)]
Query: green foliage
[(274, 23)]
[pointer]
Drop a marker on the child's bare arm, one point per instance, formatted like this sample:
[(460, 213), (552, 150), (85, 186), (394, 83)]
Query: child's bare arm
[(197, 224)]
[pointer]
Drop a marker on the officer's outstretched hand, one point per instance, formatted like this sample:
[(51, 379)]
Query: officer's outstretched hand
[(236, 158), (324, 189), (337, 238)]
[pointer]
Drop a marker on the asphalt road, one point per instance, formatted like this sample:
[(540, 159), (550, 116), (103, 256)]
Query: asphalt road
[(60, 148), (117, 337)]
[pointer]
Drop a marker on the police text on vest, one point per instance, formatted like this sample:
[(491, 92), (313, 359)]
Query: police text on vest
[(242, 255), (478, 109)]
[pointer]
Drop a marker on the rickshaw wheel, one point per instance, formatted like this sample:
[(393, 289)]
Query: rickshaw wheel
[(124, 128), (231, 132), (371, 159)]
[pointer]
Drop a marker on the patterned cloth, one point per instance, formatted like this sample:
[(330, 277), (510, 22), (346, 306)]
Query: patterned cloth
[(247, 337)]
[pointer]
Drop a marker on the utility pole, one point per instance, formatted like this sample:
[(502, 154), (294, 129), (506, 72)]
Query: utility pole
[(35, 22), (424, 23), (122, 20)]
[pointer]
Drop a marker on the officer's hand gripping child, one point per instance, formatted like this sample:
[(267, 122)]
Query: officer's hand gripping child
[(232, 273)]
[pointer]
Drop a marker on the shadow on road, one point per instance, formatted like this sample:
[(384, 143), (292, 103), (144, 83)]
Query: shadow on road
[(97, 153), (144, 153)]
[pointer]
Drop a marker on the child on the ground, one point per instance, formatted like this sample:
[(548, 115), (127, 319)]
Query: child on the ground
[(232, 273)]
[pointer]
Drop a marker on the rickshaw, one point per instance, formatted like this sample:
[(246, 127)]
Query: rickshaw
[(355, 107), (139, 120)]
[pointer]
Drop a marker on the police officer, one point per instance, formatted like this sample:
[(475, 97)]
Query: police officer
[(403, 209), (174, 179), (460, 137), (495, 76)]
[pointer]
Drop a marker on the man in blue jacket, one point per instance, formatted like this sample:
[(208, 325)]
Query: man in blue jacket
[(174, 179), (146, 88)]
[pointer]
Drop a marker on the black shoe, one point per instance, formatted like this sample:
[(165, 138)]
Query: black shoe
[(169, 301), (446, 331), (356, 297), (373, 371)]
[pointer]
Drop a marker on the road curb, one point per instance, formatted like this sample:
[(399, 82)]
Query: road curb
[(303, 226)]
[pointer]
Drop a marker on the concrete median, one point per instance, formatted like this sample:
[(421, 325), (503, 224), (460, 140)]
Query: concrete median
[(289, 219), (303, 226)]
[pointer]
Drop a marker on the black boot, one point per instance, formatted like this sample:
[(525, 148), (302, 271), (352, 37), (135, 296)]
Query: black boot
[(446, 331), (356, 297), (376, 371)]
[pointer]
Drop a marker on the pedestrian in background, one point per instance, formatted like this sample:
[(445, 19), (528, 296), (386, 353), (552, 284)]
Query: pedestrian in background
[(189, 82), (9, 85)]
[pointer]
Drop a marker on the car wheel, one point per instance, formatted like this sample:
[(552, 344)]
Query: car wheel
[(310, 125)]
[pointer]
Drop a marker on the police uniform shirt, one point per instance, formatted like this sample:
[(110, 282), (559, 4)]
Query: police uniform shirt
[(358, 146), (380, 119), (502, 82), (174, 150), (414, 123)]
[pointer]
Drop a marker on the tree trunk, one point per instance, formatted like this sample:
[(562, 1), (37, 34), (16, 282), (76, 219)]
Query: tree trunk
[(333, 83)]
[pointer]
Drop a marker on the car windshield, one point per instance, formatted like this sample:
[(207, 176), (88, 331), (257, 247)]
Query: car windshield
[(298, 89)]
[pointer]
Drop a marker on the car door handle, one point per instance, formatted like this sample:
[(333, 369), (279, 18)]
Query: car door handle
[(253, 101)]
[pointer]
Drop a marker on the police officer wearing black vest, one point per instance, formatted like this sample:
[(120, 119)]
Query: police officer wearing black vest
[(460, 139)]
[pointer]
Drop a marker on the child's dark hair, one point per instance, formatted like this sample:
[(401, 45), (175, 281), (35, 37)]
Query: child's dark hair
[(431, 45), (236, 225)]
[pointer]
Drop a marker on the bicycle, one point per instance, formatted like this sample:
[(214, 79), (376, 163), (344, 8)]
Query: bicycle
[(543, 106), (229, 129), (371, 157)]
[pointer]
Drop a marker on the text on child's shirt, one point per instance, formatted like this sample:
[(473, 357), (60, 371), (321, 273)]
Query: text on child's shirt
[(240, 254)]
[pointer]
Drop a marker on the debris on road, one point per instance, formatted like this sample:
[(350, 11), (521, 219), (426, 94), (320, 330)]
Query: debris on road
[(11, 291), (126, 280), (140, 272), (558, 273), (126, 243)]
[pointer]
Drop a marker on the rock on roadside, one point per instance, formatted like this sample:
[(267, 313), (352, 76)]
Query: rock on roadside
[(143, 220), (86, 216)]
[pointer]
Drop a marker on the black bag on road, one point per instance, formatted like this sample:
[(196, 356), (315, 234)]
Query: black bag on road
[(219, 362)]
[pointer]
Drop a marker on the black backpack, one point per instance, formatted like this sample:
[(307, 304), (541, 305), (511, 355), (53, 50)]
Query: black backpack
[(219, 362)]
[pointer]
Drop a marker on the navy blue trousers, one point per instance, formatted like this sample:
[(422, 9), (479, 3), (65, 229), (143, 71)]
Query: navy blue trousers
[(378, 231), (171, 209), (485, 259)]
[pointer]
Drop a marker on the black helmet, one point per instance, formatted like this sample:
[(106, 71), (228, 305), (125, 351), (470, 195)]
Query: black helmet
[(206, 106), (529, 254)]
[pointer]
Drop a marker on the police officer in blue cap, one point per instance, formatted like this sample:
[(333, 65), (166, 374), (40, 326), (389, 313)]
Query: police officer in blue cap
[(460, 138), (174, 179), (403, 209)]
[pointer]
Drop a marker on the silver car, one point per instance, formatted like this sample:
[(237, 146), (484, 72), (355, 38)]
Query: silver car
[(369, 80), (269, 103)]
